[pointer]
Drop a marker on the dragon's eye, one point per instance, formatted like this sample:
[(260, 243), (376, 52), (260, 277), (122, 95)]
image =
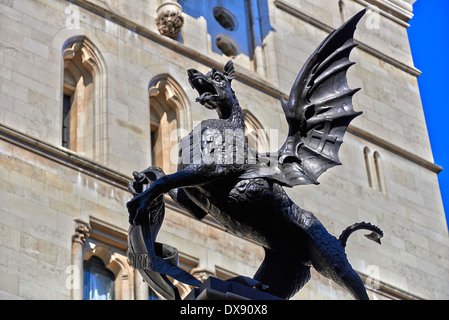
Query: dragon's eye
[(218, 77)]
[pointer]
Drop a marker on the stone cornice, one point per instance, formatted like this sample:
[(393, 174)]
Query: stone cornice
[(396, 10), (246, 76), (394, 149), (294, 11), (64, 157), (72, 160)]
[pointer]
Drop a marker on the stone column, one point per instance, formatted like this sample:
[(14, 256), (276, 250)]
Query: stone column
[(169, 19), (258, 51), (82, 232), (201, 273), (141, 287)]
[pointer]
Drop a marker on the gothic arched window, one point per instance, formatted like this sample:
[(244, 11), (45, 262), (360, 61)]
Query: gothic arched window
[(379, 172), (368, 166), (168, 115), (257, 136), (83, 99), (98, 281), (100, 267), (374, 170)]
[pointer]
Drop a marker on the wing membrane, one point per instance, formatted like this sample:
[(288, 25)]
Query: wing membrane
[(319, 109)]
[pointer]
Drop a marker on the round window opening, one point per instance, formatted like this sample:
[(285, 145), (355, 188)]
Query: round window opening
[(227, 45), (225, 18)]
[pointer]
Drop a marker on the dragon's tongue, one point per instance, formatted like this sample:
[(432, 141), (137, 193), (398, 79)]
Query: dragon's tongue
[(204, 95), (201, 97)]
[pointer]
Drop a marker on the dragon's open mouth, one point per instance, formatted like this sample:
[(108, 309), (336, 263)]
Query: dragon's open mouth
[(203, 86)]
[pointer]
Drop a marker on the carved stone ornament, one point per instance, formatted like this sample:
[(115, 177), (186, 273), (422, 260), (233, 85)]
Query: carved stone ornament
[(202, 274), (221, 175), (82, 232), (169, 19)]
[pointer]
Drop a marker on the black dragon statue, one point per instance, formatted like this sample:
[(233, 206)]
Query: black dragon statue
[(220, 175)]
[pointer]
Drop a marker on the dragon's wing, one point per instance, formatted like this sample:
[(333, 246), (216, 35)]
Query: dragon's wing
[(319, 110)]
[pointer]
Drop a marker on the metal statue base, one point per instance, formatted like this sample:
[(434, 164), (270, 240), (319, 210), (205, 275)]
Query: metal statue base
[(216, 289)]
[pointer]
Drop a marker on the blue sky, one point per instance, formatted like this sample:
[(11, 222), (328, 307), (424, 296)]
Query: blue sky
[(429, 40)]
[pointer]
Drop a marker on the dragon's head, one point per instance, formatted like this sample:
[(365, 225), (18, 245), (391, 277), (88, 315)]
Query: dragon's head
[(215, 89)]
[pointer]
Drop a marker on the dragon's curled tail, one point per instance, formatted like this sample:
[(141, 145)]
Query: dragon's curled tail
[(375, 235)]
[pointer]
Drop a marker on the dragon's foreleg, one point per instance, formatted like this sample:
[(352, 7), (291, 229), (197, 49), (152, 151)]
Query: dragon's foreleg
[(193, 175), (145, 179), (180, 197)]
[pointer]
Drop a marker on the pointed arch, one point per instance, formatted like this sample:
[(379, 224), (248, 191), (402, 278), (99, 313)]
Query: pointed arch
[(374, 170), (256, 135), (83, 111), (98, 281), (116, 263), (378, 165), (170, 119), (368, 166)]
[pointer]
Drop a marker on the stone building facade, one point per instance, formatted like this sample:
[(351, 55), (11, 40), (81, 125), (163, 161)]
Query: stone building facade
[(92, 90)]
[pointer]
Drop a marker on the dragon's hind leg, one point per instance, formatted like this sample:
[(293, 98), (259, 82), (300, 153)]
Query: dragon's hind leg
[(330, 260), (283, 276)]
